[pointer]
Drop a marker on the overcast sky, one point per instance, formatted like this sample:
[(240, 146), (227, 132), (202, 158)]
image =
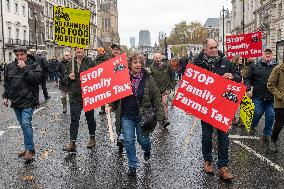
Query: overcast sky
[(162, 15)]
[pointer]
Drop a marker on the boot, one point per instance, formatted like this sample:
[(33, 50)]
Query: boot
[(91, 143), (29, 155), (225, 174), (64, 103), (208, 168), (22, 154), (70, 147)]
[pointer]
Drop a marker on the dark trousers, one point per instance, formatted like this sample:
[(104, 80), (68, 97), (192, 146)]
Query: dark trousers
[(44, 89), (279, 123), (223, 145), (75, 111)]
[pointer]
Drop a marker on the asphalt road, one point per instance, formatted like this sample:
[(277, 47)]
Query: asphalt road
[(176, 161)]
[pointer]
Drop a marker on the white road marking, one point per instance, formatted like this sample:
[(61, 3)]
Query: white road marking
[(14, 127), (243, 137), (39, 109), (2, 132), (259, 156)]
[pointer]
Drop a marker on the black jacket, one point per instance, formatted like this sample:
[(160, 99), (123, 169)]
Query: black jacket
[(61, 71), (258, 75), (74, 86), (43, 64), (101, 58), (21, 86), (220, 68)]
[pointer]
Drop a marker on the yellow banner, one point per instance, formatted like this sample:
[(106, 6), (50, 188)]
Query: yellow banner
[(71, 27), (247, 111)]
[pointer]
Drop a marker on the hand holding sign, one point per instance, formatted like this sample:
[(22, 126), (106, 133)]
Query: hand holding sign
[(207, 96)]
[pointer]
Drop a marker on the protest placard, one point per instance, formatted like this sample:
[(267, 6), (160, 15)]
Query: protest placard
[(71, 27), (105, 83), (208, 96), (247, 111), (244, 45)]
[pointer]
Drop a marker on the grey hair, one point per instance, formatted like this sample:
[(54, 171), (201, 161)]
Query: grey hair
[(205, 42)]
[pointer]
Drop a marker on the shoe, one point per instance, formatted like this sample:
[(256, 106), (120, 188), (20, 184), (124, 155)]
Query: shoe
[(225, 174), (208, 168), (29, 155), (64, 110), (120, 146), (22, 154), (252, 131), (273, 147), (266, 138), (91, 143), (102, 112), (147, 155), (166, 124), (131, 171), (47, 98), (70, 147)]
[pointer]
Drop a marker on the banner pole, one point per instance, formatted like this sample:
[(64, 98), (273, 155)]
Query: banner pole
[(109, 123), (190, 133), (72, 57)]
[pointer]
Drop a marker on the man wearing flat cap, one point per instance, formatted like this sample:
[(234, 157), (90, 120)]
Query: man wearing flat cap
[(256, 82), (21, 87)]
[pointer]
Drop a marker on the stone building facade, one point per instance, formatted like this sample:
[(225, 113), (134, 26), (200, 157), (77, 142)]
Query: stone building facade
[(107, 23)]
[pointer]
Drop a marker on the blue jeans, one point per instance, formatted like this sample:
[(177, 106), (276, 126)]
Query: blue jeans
[(24, 117), (129, 125), (260, 107), (223, 145)]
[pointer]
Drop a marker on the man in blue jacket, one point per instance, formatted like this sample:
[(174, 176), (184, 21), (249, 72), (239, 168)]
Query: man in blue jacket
[(21, 86)]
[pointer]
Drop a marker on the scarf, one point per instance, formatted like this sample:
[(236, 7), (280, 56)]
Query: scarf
[(211, 62), (135, 81)]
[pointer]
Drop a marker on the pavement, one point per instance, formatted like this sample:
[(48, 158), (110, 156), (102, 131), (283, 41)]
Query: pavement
[(176, 161)]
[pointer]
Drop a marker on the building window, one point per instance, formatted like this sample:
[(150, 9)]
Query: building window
[(17, 33), (9, 32), (24, 11), (16, 8), (25, 35), (280, 9), (46, 9), (10, 56), (8, 5)]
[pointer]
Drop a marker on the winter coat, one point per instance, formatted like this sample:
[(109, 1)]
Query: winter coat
[(61, 70), (151, 101), (43, 65), (275, 85), (183, 63), (21, 85), (164, 76), (220, 68), (74, 86), (101, 58), (258, 75)]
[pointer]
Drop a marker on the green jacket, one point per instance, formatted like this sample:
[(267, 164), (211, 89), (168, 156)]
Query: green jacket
[(101, 58), (275, 85), (74, 86), (164, 76), (151, 101)]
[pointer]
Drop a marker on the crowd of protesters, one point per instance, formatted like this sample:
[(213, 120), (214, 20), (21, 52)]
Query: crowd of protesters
[(152, 82)]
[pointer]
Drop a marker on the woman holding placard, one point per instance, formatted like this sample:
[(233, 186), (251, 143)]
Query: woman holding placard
[(138, 112)]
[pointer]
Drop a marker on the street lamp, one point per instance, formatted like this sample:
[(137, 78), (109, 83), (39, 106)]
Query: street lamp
[(35, 17), (223, 19), (166, 47)]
